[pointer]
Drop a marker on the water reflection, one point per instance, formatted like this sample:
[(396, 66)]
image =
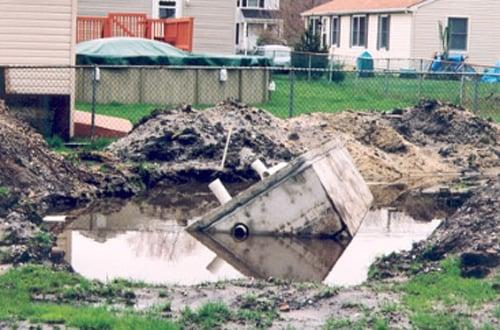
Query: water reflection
[(133, 242)]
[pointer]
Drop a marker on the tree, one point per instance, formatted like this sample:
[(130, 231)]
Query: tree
[(310, 42), (444, 36), (293, 23)]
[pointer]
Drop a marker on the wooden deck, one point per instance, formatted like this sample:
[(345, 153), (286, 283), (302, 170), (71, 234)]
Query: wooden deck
[(175, 31)]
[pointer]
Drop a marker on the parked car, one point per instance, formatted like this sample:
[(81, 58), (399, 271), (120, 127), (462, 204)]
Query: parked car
[(280, 56)]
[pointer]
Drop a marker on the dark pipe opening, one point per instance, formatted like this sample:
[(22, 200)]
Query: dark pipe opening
[(240, 232)]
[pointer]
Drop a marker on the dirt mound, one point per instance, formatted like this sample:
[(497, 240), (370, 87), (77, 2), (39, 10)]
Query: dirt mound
[(471, 233), (30, 168), (464, 139), (433, 122), (187, 138), (34, 181)]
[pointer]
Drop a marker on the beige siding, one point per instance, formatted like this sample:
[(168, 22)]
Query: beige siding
[(37, 33), (399, 43), (214, 25), (103, 7), (484, 28)]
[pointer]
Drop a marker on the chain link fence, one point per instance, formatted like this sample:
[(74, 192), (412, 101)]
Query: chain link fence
[(110, 100)]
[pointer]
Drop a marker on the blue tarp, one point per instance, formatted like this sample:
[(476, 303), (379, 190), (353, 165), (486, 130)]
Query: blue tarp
[(492, 75)]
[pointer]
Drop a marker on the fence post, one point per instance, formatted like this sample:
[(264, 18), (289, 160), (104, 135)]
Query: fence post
[(462, 88), (292, 94), (197, 87), (476, 96), (310, 66), (94, 98), (386, 76), (421, 79)]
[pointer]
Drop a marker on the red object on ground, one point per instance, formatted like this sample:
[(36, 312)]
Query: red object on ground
[(105, 126), (175, 31)]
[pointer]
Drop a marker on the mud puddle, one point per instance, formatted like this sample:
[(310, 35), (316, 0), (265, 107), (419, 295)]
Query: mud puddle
[(142, 240)]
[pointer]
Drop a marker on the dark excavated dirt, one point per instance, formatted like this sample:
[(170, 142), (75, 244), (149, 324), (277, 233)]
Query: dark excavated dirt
[(34, 181), (193, 141), (471, 233)]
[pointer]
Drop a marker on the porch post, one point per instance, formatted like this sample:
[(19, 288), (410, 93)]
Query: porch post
[(245, 37)]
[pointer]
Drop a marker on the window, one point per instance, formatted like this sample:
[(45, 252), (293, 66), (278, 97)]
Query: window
[(359, 31), (250, 3), (167, 9), (316, 25), (458, 29), (384, 27), (335, 31)]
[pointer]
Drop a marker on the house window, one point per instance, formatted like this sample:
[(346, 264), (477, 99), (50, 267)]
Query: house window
[(167, 9), (335, 31), (384, 27), (359, 31), (458, 29), (250, 3), (316, 25)]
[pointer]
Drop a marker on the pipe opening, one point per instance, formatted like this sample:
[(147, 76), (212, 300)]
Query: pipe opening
[(240, 232)]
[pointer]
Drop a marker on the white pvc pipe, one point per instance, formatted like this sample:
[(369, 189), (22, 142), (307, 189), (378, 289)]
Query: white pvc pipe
[(260, 168), (275, 169), (220, 192)]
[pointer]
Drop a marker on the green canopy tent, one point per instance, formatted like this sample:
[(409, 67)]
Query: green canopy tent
[(138, 51)]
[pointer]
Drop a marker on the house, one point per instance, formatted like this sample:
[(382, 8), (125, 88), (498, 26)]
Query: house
[(407, 29), (39, 33), (220, 26)]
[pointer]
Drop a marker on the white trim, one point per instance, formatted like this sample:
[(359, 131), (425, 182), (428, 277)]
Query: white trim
[(339, 19), (361, 12), (351, 31), (422, 4), (379, 32), (458, 51)]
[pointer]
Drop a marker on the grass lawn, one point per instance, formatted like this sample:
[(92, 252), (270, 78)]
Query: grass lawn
[(18, 285), (445, 300), (67, 307), (359, 94)]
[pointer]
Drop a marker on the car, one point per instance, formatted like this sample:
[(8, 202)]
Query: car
[(281, 56)]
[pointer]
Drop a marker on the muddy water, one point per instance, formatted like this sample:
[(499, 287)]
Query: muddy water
[(146, 241)]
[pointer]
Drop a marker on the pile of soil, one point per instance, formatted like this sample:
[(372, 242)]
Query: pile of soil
[(397, 152), (467, 140), (471, 233), (34, 181), (187, 140)]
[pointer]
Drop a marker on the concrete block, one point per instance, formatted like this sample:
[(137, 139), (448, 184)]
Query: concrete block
[(319, 194)]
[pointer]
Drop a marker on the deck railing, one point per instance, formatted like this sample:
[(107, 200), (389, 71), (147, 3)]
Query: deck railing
[(175, 31)]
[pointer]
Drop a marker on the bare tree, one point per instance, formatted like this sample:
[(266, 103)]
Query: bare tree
[(293, 24)]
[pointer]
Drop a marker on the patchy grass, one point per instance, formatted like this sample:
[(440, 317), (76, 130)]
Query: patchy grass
[(435, 299), (41, 295), (4, 191), (19, 285), (208, 316), (365, 322)]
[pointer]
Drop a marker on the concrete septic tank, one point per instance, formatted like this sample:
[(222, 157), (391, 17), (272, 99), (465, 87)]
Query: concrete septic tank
[(319, 194)]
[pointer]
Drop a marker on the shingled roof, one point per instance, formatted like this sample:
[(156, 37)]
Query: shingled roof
[(360, 6)]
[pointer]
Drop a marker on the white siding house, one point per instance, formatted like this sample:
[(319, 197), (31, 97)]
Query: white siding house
[(404, 29), (220, 26), (38, 33)]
